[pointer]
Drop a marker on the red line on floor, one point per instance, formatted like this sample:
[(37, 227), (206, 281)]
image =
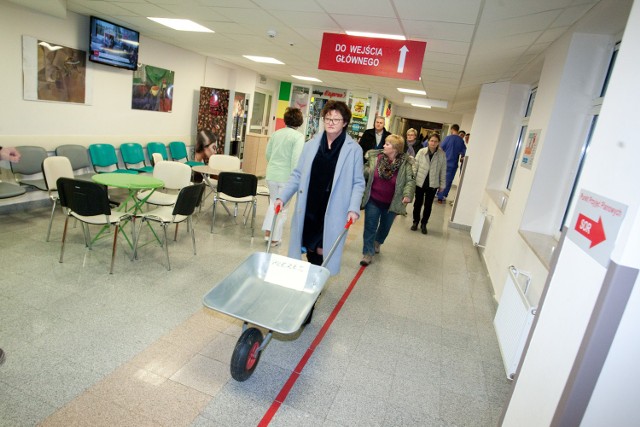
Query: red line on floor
[(286, 388)]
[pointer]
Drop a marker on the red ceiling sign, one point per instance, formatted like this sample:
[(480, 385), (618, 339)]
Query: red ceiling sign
[(398, 59)]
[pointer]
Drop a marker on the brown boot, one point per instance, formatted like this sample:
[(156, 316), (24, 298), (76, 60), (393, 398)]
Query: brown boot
[(366, 260)]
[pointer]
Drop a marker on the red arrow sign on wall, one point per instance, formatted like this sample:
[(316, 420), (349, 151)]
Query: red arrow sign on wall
[(594, 231)]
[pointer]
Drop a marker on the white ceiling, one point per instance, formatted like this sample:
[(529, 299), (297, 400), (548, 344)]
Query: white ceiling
[(469, 42)]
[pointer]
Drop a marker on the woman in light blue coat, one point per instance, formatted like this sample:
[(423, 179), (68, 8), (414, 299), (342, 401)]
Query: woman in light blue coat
[(329, 183)]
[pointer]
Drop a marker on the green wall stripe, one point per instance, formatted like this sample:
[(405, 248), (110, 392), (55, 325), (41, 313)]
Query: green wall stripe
[(285, 91)]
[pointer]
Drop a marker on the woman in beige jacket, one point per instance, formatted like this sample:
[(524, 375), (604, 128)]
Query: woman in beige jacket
[(430, 170)]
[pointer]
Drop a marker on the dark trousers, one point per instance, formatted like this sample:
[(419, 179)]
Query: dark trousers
[(423, 196), (451, 173), (314, 258)]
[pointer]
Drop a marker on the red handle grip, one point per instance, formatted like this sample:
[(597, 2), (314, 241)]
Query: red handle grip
[(277, 209), (348, 224)]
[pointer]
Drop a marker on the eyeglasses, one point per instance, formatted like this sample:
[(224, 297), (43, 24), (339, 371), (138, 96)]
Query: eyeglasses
[(332, 121)]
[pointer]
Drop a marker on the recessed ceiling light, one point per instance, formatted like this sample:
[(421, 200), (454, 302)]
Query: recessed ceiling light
[(414, 91), (309, 79), (421, 106), (181, 25), (423, 102), (265, 59), (376, 35)]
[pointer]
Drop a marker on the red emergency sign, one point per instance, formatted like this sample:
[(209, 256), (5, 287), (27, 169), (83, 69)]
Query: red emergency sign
[(398, 59)]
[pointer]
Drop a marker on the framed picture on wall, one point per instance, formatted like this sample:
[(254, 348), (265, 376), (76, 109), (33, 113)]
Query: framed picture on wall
[(55, 73), (152, 89)]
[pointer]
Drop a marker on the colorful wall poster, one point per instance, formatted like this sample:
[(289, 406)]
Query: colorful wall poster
[(152, 89), (213, 113), (530, 148)]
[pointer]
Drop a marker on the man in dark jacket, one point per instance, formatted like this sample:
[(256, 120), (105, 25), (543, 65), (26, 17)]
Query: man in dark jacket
[(373, 138)]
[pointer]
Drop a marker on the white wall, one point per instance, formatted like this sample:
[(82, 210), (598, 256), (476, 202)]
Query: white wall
[(110, 117), (610, 170), (614, 400)]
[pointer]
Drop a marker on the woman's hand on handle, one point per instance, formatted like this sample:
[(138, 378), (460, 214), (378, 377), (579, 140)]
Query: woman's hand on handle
[(352, 217), (277, 205)]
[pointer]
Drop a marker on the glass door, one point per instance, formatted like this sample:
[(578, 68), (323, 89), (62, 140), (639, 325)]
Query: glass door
[(261, 113)]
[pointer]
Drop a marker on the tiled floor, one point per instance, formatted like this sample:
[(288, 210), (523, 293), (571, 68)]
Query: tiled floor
[(413, 345)]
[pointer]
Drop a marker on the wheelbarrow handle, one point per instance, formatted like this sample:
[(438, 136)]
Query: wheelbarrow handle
[(333, 247), (326, 259), (277, 209)]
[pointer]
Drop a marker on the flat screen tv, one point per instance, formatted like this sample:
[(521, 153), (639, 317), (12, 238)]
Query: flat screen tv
[(113, 44)]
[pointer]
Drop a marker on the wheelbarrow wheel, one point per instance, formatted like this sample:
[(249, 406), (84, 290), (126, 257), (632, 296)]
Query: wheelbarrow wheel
[(309, 316), (246, 355)]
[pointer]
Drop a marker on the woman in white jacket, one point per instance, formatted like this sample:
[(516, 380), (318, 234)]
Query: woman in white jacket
[(430, 170)]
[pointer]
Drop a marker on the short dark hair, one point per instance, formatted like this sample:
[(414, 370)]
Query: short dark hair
[(455, 127), (462, 132), (293, 117), (340, 107)]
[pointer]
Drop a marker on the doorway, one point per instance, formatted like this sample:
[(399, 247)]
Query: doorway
[(261, 113)]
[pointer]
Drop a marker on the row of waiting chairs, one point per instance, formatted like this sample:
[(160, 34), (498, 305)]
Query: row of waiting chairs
[(98, 157)]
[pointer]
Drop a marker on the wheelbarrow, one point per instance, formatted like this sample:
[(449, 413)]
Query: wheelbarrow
[(271, 291)]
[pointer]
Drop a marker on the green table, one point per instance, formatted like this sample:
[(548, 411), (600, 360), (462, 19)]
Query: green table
[(133, 183)]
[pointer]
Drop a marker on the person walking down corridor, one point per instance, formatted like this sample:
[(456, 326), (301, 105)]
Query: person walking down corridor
[(283, 151), (374, 138), (430, 170), (390, 186), (454, 148), (328, 182), (412, 143)]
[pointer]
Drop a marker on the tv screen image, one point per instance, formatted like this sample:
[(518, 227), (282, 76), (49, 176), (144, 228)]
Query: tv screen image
[(113, 44)]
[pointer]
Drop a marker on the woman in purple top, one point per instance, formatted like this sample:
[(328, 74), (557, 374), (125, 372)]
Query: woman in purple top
[(390, 186)]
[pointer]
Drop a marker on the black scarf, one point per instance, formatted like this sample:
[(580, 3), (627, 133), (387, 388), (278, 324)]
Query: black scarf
[(320, 183)]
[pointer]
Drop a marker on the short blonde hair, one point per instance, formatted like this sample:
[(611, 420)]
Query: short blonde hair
[(396, 141), (413, 131)]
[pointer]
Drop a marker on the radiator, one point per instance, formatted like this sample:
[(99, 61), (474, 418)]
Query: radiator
[(513, 319), (480, 228)]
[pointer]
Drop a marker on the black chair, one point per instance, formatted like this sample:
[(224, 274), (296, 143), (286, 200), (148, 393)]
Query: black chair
[(88, 202), (188, 198), (236, 187)]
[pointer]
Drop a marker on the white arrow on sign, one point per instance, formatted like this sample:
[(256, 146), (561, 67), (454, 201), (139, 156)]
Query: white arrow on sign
[(403, 56)]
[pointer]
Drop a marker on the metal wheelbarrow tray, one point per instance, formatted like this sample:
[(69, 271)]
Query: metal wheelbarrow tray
[(245, 295), (271, 291)]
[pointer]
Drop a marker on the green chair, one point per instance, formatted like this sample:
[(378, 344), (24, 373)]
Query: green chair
[(157, 147), (104, 159), (133, 157), (179, 153)]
